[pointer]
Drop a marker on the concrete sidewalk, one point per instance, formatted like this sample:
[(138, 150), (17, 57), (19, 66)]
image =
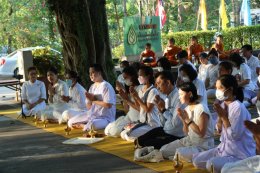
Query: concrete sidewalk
[(27, 149)]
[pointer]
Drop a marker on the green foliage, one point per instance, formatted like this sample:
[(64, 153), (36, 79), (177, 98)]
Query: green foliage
[(233, 37), (118, 51), (43, 59)]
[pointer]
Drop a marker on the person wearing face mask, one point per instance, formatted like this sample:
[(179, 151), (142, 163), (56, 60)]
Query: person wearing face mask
[(120, 77), (33, 94), (75, 100), (163, 64), (197, 125), (167, 105), (100, 102), (144, 98), (212, 73), (183, 59), (203, 68), (57, 91), (237, 142), (244, 78), (188, 74), (131, 80)]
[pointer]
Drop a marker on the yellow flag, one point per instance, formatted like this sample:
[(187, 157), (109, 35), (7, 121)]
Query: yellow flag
[(203, 13), (223, 14)]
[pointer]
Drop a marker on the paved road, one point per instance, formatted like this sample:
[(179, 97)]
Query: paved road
[(27, 149)]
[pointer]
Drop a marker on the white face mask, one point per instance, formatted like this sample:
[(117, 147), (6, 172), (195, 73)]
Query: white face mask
[(220, 95), (141, 80), (128, 82), (160, 69), (185, 79)]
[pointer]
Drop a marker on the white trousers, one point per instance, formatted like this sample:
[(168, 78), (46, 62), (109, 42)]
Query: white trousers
[(96, 123), (115, 128), (34, 111), (185, 152), (211, 93), (205, 159), (135, 133), (249, 165), (68, 114), (54, 112)]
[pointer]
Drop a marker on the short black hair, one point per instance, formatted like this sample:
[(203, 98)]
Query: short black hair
[(166, 75), (125, 63), (194, 38), (214, 52), (98, 68), (148, 71), (31, 69), (53, 70), (172, 40), (165, 63), (226, 65), (236, 59), (73, 75), (248, 47), (148, 44), (190, 87), (190, 71), (203, 55), (182, 54)]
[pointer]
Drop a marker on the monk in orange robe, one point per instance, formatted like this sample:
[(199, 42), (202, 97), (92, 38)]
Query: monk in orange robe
[(219, 46), (147, 57), (194, 49), (171, 50)]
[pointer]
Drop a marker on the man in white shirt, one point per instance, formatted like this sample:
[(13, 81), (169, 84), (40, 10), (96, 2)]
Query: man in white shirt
[(252, 61)]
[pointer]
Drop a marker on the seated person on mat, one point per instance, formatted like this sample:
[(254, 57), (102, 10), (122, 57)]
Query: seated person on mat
[(100, 102), (167, 105), (33, 94), (147, 57), (57, 90), (131, 80)]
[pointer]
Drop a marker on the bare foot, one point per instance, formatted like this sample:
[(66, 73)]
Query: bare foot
[(78, 126)]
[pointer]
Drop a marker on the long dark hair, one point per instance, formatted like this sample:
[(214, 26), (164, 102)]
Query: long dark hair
[(148, 71), (229, 81), (236, 59), (99, 68), (190, 87)]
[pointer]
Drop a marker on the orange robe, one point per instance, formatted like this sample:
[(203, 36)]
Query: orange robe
[(170, 53), (149, 53), (195, 50), (220, 48)]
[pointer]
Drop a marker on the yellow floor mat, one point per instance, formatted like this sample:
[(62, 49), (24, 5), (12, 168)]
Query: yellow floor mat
[(114, 146)]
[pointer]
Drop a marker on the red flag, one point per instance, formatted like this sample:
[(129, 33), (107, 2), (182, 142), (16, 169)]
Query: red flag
[(160, 12)]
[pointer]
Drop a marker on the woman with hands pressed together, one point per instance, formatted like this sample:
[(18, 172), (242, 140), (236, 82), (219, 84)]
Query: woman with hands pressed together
[(197, 125), (236, 141), (144, 99), (130, 77), (100, 103)]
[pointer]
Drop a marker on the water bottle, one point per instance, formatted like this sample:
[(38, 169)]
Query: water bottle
[(193, 59)]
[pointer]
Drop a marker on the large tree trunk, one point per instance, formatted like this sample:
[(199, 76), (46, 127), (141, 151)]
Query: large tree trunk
[(83, 28)]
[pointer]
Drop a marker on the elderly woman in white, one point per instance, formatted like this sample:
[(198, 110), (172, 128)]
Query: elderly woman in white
[(57, 91), (33, 94)]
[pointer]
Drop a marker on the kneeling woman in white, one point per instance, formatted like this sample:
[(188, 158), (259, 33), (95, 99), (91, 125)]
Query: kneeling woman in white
[(101, 103), (197, 124), (76, 98), (33, 94), (236, 141), (145, 100), (57, 91), (131, 79)]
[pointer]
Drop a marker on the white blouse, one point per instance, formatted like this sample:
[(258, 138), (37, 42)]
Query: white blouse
[(33, 91)]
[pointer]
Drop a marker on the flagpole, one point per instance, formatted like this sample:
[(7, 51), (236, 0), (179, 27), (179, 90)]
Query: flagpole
[(219, 23)]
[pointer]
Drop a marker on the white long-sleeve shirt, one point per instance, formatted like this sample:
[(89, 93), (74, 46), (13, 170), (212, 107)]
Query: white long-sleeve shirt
[(77, 95), (32, 92)]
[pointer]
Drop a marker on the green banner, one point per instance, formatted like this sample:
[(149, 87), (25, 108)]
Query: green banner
[(138, 32)]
